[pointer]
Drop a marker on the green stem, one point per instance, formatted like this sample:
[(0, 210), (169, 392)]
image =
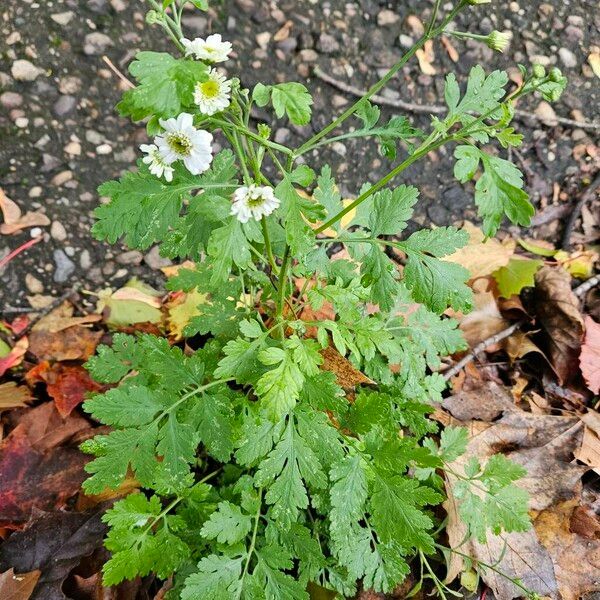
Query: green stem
[(419, 153), (252, 135), (252, 545), (430, 33), (282, 282), (267, 238)]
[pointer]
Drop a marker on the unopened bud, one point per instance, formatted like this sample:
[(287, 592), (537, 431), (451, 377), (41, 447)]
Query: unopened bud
[(498, 41), (539, 72), (555, 75), (152, 17)]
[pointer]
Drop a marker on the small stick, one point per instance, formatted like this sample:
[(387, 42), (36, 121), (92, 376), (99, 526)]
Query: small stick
[(118, 73), (587, 195), (20, 249), (494, 339), (436, 109), (586, 286)]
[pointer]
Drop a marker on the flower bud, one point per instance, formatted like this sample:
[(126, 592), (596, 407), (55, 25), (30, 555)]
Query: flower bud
[(555, 75), (498, 40), (152, 17), (539, 72)]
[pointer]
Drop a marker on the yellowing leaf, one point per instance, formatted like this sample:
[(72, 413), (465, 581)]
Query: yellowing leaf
[(134, 303), (480, 256), (579, 264), (538, 247), (518, 274), (180, 310)]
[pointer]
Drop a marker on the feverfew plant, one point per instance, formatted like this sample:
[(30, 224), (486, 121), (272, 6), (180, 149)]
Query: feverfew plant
[(292, 449)]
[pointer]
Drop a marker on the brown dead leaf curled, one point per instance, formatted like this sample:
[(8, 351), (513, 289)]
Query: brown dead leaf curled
[(14, 220), (348, 376), (589, 359), (13, 395), (484, 320), (557, 311), (426, 56)]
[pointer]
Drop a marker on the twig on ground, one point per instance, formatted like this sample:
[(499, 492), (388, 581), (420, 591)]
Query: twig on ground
[(118, 73), (586, 196), (433, 108), (579, 291), (20, 249), (494, 339), (586, 286)]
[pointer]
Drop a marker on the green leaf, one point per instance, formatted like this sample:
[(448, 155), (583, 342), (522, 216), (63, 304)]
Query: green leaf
[(391, 209), (213, 418), (435, 283), (228, 525), (166, 85), (292, 99), (380, 273), (453, 442), (143, 208), (283, 472), (517, 274), (499, 190), (111, 364), (328, 195), (227, 246), (217, 578)]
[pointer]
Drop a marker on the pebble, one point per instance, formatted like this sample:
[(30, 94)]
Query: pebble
[(35, 191), (64, 105), (85, 261), (13, 38), (58, 231), (154, 260), (308, 55), (567, 58), (69, 85), (34, 285), (11, 100), (263, 39), (327, 44), (94, 137), (23, 70), (73, 148), (63, 18), (131, 257), (61, 178), (96, 43), (282, 135), (546, 113), (103, 149), (406, 41), (65, 267), (387, 17), (21, 122)]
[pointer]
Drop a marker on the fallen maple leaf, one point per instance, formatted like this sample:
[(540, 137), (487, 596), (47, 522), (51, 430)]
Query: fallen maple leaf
[(589, 359), (17, 587), (53, 543), (557, 310), (67, 385)]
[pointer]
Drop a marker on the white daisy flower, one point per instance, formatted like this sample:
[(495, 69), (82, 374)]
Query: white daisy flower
[(212, 95), (499, 40), (213, 49), (158, 165), (182, 141), (253, 201)]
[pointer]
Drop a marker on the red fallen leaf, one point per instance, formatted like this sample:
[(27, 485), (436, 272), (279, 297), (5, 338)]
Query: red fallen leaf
[(17, 587), (14, 357), (38, 469), (46, 429), (53, 543), (66, 384), (589, 359)]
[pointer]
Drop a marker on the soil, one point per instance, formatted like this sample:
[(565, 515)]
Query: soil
[(60, 136)]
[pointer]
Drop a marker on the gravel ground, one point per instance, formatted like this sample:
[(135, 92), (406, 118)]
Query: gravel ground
[(60, 137)]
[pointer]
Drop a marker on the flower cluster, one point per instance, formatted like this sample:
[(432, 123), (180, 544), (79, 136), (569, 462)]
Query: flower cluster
[(181, 140)]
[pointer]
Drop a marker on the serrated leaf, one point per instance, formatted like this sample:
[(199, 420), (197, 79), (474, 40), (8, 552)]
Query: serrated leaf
[(228, 525), (519, 273)]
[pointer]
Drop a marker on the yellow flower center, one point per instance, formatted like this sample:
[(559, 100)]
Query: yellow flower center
[(210, 88), (255, 202), (180, 143)]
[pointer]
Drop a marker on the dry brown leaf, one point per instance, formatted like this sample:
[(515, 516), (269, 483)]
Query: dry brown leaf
[(576, 559), (589, 359), (14, 220), (426, 56), (450, 49), (482, 257), (544, 445), (10, 210), (284, 32), (589, 451), (19, 586), (348, 376), (594, 60), (73, 343), (13, 395), (519, 344), (483, 321), (557, 310), (62, 318)]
